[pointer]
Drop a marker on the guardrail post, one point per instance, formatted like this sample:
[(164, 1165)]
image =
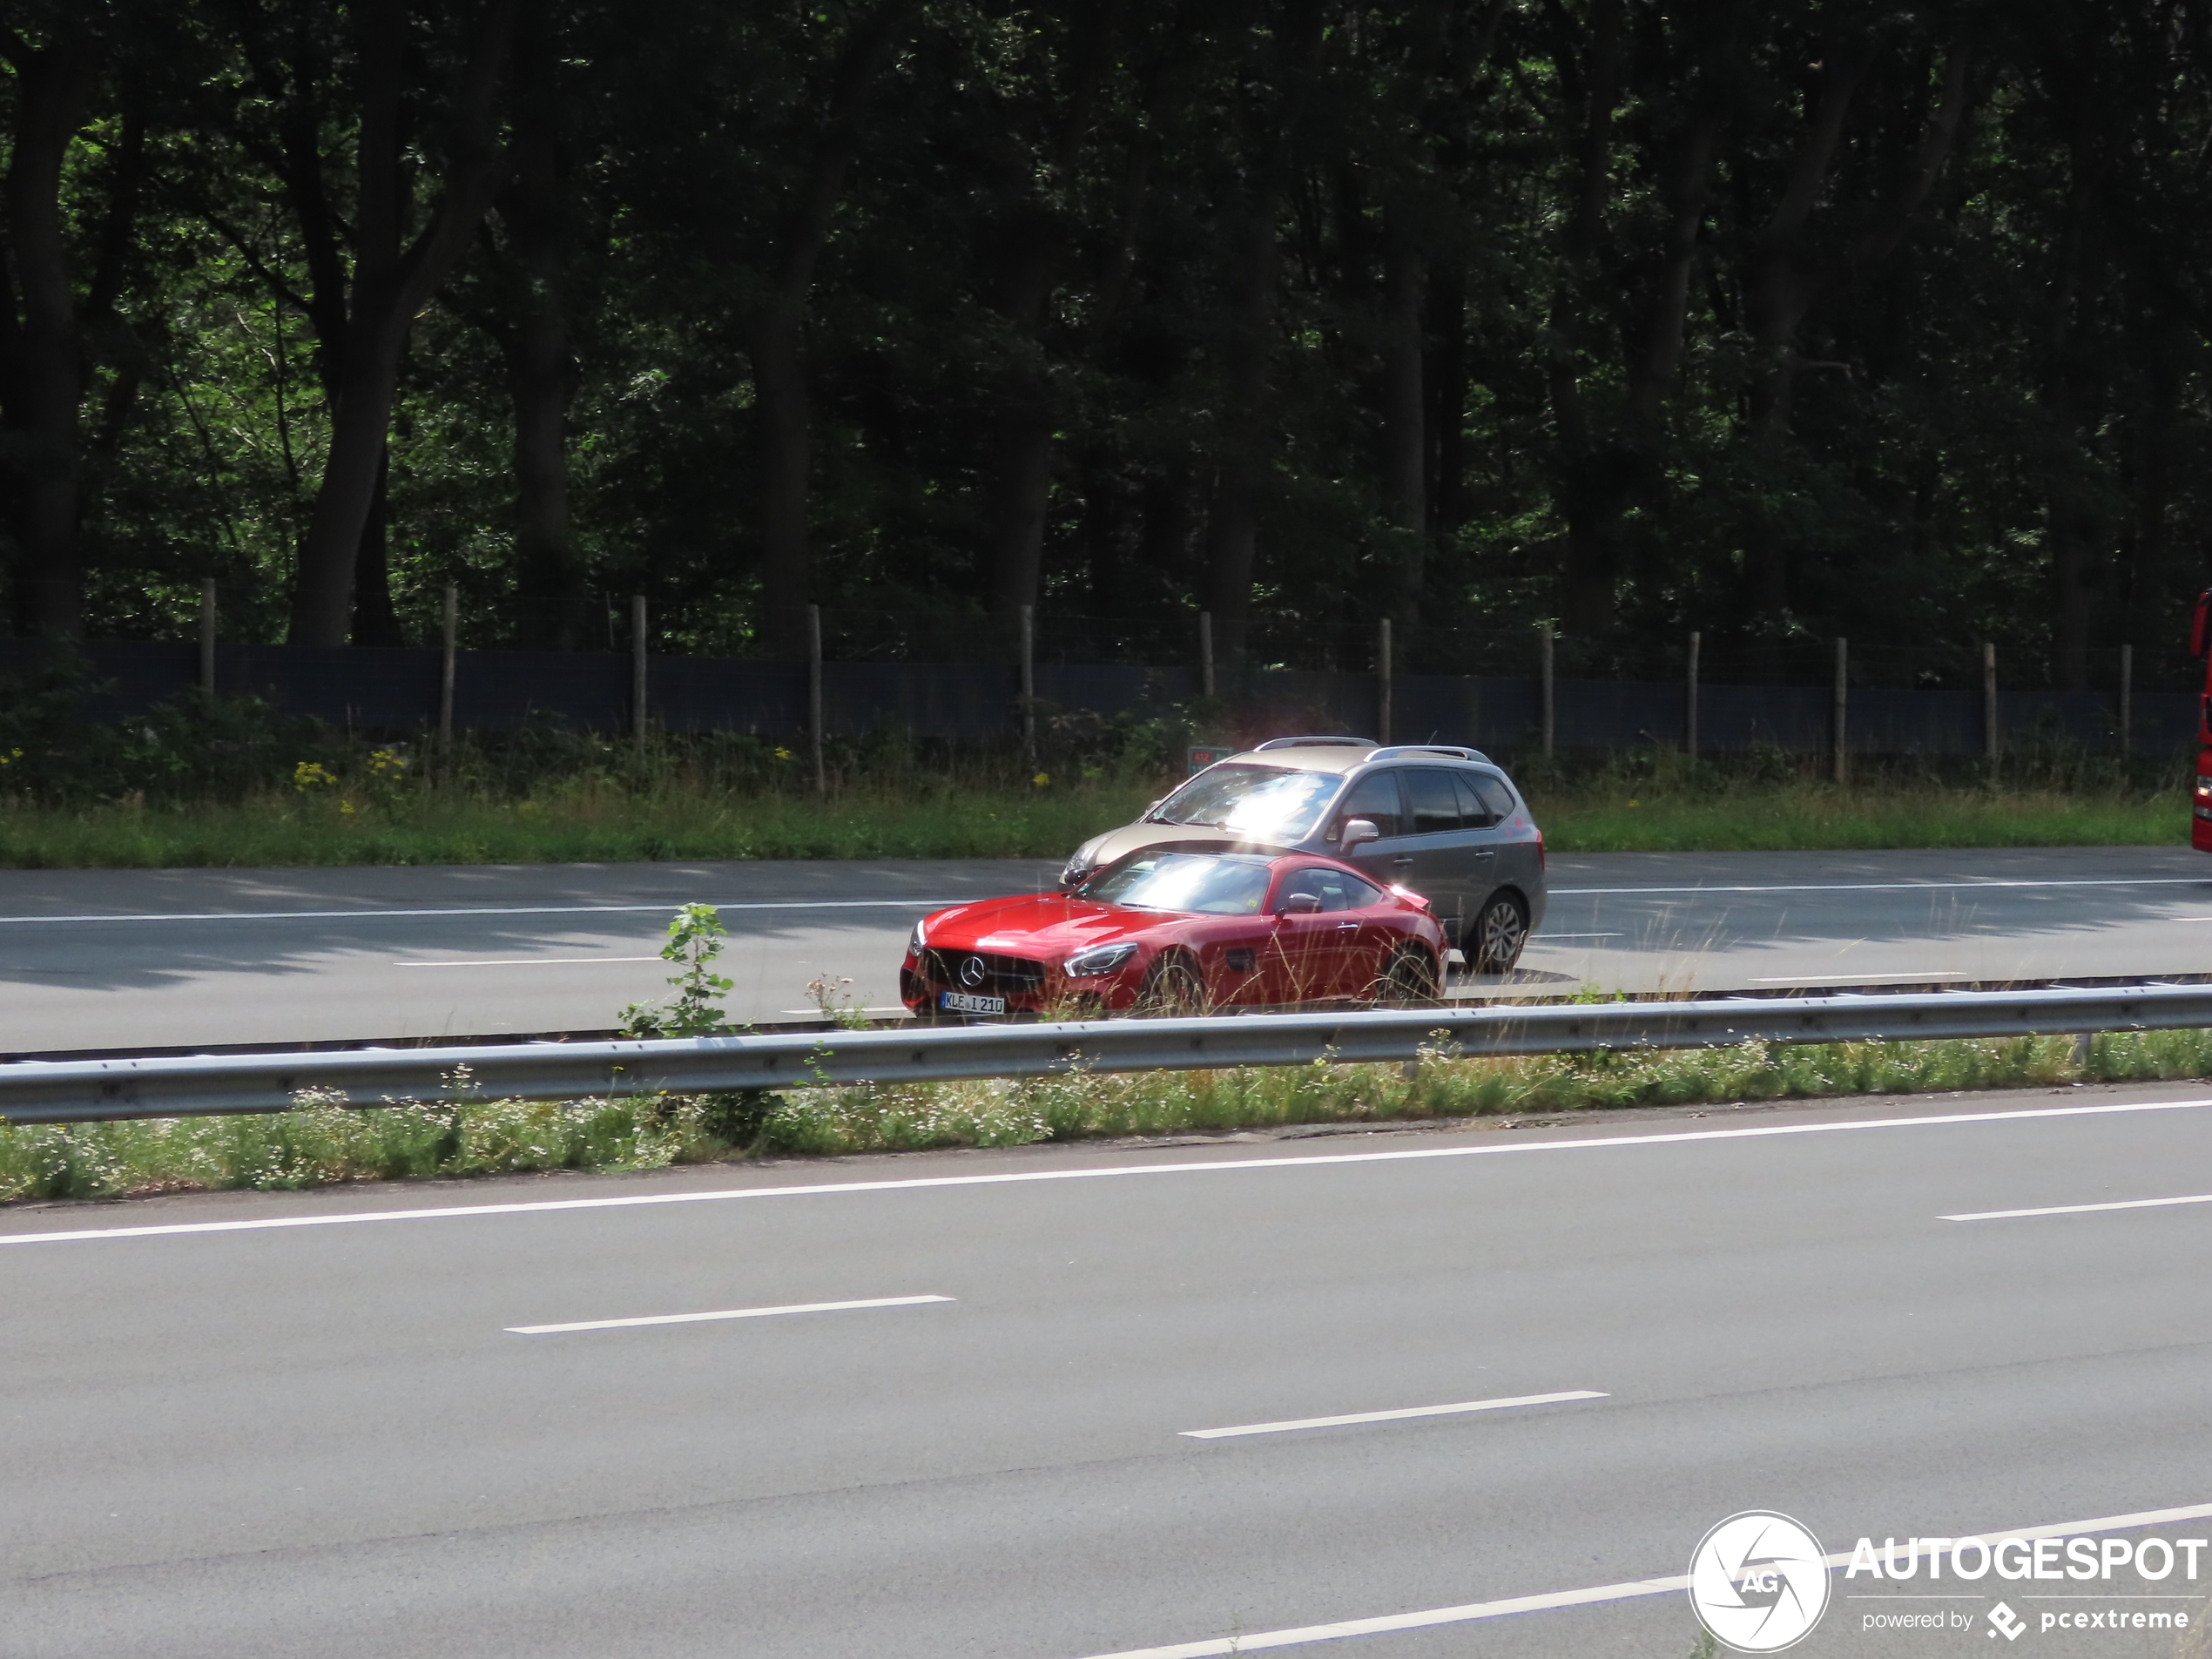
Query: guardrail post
[(814, 695), (446, 668), (1843, 711), (638, 670), (1689, 701), (1205, 653), (1989, 703), (207, 635), (1544, 675), (1383, 686)]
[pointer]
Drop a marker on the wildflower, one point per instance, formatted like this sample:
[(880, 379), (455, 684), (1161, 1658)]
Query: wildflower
[(10, 758), (1636, 803), (386, 763), (1041, 780), (311, 774), (783, 753), (347, 806)]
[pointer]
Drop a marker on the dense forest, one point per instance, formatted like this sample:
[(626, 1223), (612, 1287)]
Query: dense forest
[(1776, 321)]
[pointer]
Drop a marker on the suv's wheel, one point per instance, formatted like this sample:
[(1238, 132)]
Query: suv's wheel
[(1408, 976), (1499, 934), (1174, 988)]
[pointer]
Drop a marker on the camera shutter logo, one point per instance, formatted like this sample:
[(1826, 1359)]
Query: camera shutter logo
[(1758, 1582), (972, 971)]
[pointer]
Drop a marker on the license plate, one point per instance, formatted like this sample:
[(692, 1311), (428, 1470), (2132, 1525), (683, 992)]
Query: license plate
[(961, 1003)]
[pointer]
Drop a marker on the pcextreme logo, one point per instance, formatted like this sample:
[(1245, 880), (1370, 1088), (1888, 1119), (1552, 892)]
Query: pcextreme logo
[(1758, 1582)]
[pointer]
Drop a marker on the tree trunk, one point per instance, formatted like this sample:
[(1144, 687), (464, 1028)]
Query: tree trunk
[(1404, 410), (389, 287), (785, 446), (534, 212), (43, 381), (1446, 377), (1232, 530), (375, 623)]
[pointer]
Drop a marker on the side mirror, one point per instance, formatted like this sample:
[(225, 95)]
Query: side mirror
[(1300, 904), (1358, 831)]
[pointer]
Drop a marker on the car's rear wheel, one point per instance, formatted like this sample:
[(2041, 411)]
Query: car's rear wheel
[(1174, 988), (1499, 933), (1408, 975)]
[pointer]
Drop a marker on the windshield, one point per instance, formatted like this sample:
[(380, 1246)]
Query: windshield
[(1207, 883), (1272, 802)]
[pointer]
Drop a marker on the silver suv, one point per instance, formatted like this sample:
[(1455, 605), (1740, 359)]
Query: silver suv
[(1443, 821)]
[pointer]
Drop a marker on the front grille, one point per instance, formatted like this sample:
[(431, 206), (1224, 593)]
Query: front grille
[(1001, 976)]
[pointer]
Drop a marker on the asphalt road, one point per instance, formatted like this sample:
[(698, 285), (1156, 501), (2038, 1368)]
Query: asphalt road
[(213, 957), (274, 1439)]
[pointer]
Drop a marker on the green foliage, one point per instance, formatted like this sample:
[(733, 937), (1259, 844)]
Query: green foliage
[(695, 936)]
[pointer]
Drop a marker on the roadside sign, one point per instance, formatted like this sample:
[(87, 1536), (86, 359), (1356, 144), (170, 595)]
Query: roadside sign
[(1203, 755)]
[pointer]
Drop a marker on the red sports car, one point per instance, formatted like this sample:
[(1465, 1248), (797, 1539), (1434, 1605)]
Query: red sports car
[(1164, 931)]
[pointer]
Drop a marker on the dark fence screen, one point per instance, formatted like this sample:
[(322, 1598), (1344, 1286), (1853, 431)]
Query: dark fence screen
[(398, 689)]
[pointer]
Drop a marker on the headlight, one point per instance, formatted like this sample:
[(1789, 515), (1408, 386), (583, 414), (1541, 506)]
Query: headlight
[(1099, 959), (914, 941)]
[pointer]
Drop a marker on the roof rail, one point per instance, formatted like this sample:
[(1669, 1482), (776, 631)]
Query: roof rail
[(1316, 743), (1453, 751)]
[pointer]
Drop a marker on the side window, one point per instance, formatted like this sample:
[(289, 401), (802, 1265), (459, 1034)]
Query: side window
[(1495, 795), (1335, 889), (1374, 797), (1357, 894), (1472, 807), (1434, 801)]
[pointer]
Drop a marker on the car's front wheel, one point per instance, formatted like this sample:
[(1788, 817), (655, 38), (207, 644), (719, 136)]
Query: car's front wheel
[(1174, 988), (1408, 975), (1499, 933)]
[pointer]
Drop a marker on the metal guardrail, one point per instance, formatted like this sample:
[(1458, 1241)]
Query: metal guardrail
[(81, 1090)]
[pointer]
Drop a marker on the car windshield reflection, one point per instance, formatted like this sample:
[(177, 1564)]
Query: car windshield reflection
[(1251, 800), (1201, 883)]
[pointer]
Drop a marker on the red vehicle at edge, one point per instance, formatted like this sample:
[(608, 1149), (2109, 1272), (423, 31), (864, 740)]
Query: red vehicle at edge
[(2201, 802), (1168, 931)]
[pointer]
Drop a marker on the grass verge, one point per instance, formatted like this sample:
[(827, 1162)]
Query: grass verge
[(606, 821), (323, 1142)]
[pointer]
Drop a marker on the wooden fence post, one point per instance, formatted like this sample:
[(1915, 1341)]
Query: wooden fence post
[(1843, 711), (1205, 653), (1689, 701), (814, 695), (207, 635), (1989, 736), (638, 670), (1028, 684), (1384, 688), (446, 667), (2126, 697), (1544, 672)]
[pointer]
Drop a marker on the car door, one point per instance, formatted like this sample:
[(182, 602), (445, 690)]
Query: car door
[(1378, 797), (1517, 861), (1310, 954), (1452, 849)]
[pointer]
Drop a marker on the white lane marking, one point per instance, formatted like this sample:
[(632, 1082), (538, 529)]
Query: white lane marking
[(1634, 1588), (531, 961), (1553, 938), (1210, 1166), (1388, 1417), (2081, 1209), (727, 1313), (1899, 887), (1849, 979), (504, 910)]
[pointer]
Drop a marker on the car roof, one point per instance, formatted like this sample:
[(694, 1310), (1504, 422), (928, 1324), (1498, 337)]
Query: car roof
[(1312, 755)]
